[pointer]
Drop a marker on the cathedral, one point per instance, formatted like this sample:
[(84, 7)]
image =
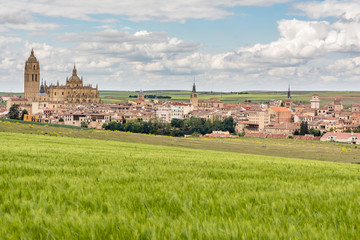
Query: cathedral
[(74, 92)]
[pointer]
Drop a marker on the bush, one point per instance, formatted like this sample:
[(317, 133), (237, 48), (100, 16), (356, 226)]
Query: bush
[(84, 125)]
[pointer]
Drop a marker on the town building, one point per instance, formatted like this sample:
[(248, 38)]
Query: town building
[(280, 114), (315, 101), (342, 137)]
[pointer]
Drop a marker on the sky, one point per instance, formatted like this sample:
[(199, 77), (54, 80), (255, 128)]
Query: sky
[(227, 45)]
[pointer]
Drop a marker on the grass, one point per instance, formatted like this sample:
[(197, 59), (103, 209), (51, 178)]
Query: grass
[(43, 124), (255, 96), (290, 148), (61, 188)]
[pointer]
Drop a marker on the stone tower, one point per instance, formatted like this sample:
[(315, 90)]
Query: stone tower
[(289, 101), (194, 97), (141, 95), (315, 101), (31, 77)]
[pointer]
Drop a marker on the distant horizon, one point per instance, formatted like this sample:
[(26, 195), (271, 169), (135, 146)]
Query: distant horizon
[(208, 91)]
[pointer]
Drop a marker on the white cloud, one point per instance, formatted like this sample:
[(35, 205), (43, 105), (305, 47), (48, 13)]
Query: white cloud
[(346, 9), (23, 21), (140, 46), (136, 10), (303, 54)]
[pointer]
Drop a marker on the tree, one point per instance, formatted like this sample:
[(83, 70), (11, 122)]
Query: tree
[(23, 113), (217, 125), (229, 124), (176, 133), (315, 132), (177, 123), (84, 124), (14, 112), (123, 119), (61, 120), (304, 129)]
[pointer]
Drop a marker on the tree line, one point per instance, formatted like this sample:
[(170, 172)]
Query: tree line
[(151, 96), (177, 127)]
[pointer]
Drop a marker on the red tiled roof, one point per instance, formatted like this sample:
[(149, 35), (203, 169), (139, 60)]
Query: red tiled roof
[(280, 109), (340, 135)]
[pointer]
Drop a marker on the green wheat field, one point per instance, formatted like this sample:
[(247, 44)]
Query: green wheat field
[(62, 187)]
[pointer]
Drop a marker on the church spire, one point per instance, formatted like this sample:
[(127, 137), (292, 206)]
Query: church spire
[(42, 87), (32, 52), (289, 95), (194, 87), (74, 71)]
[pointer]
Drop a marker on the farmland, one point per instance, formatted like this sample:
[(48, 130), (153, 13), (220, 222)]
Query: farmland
[(350, 97), (289, 148), (61, 187)]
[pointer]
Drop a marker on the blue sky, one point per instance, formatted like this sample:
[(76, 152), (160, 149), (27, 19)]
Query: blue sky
[(229, 45)]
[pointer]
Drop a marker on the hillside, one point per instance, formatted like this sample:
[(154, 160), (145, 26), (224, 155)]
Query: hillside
[(61, 187), (290, 148)]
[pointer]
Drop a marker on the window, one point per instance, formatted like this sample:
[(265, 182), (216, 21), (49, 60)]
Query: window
[(34, 67), (55, 93), (35, 77), (32, 77), (62, 93)]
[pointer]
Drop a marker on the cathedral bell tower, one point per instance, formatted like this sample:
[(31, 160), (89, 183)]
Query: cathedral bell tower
[(31, 77)]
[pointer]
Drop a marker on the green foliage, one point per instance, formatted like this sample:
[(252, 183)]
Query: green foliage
[(14, 112), (23, 112), (356, 130), (92, 189), (242, 134), (84, 124), (177, 127), (315, 132), (304, 129), (177, 123), (151, 96), (61, 120), (229, 125)]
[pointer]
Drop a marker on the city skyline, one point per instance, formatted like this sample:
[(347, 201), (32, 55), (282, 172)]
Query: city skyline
[(156, 45)]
